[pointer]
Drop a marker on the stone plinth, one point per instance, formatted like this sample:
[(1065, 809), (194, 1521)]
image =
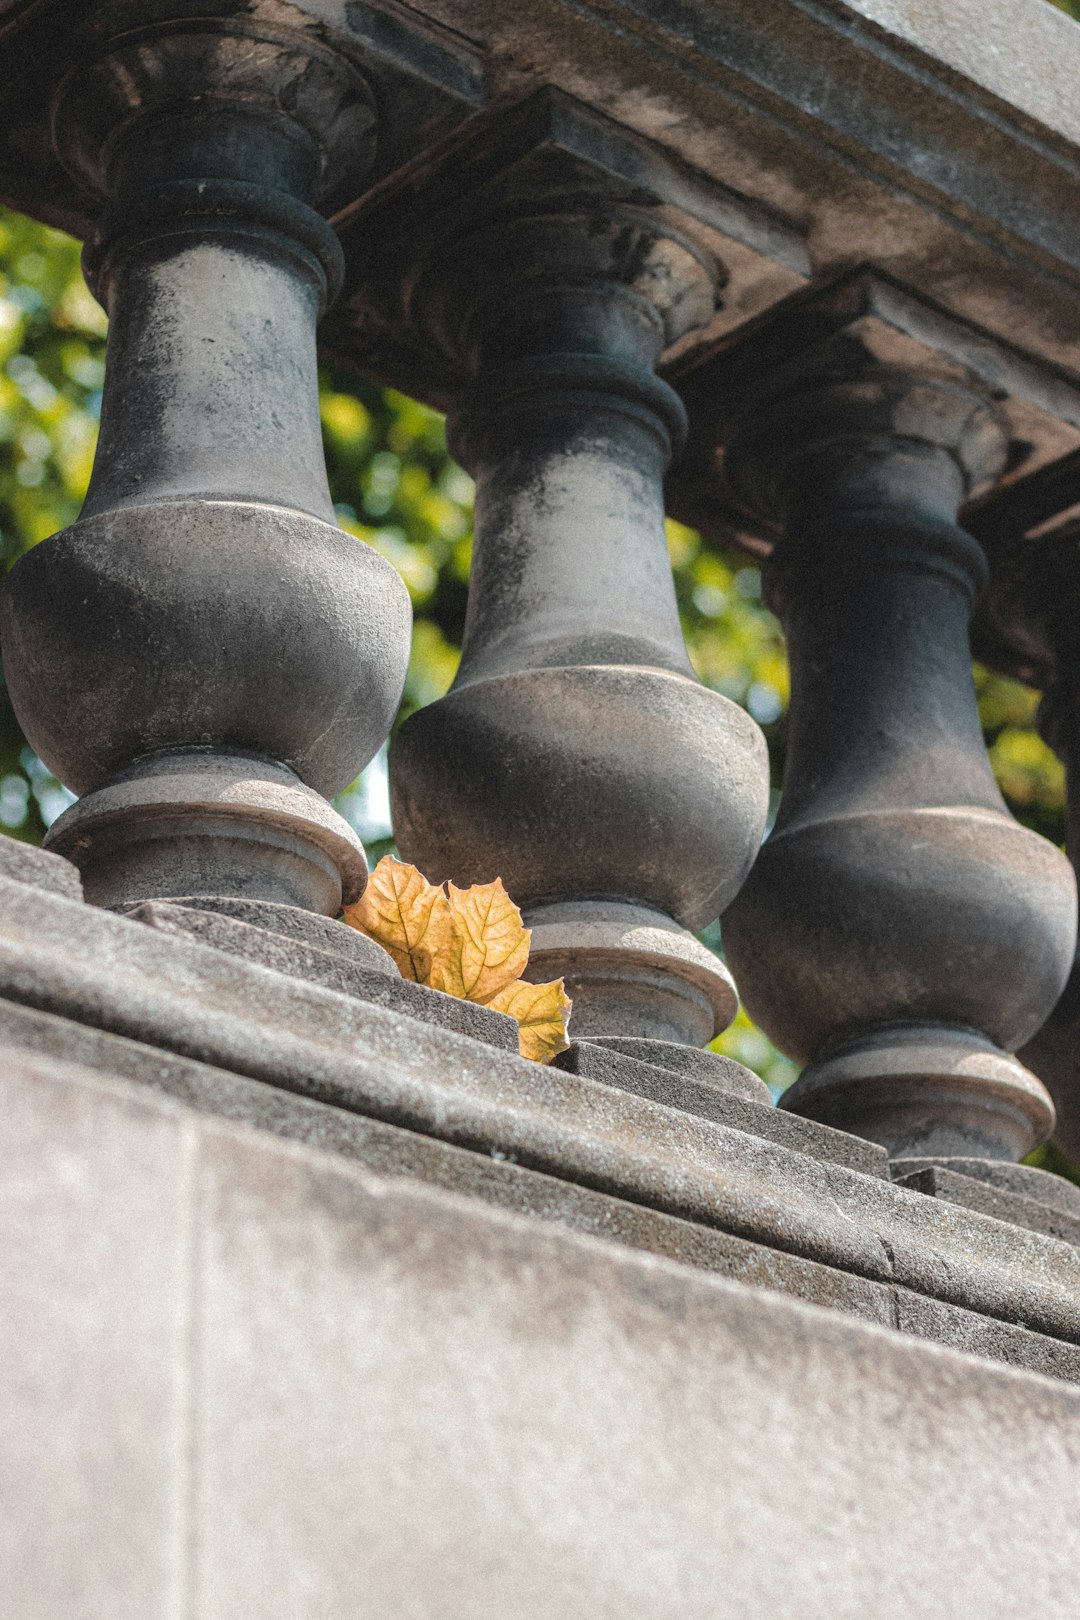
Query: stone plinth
[(246, 1377), (316, 1300)]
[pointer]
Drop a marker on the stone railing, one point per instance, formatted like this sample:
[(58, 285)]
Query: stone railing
[(801, 276), (316, 1298)]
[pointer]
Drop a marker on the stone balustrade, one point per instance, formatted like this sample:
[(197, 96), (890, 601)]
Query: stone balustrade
[(576, 754), (900, 934), (319, 1299), (206, 658)]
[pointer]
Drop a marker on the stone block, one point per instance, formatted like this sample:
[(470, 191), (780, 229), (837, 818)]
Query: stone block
[(385, 1400), (339, 966), (22, 863), (290, 922), (176, 994), (996, 1199), (561, 1435), (481, 1419), (1022, 1179), (712, 1070), (387, 1150), (692, 1095), (94, 1301), (982, 1336)]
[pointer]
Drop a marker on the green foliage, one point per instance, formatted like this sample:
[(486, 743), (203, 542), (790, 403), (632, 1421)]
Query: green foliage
[(396, 489), (1050, 1157), (51, 370)]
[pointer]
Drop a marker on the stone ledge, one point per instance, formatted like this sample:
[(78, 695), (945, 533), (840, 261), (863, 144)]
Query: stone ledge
[(24, 863), (980, 1336), (897, 131), (172, 993), (333, 970), (386, 1150), (1003, 1204), (709, 1102)]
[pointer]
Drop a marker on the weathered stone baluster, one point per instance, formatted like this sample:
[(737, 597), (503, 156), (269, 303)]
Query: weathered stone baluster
[(576, 755), (900, 932), (204, 654)]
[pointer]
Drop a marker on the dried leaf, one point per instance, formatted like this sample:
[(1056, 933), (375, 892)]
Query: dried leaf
[(406, 915), (489, 946), (542, 1012), (471, 944)]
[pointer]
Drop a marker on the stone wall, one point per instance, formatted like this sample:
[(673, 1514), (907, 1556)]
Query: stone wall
[(246, 1377)]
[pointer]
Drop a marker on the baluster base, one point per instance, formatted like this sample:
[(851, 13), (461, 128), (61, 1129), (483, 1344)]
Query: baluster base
[(927, 1092), (198, 823), (631, 971)]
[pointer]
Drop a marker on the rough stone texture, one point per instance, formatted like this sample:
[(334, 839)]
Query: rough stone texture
[(888, 138), (892, 125), (712, 1070), (22, 863), (614, 1068), (116, 974), (333, 1394), (1029, 77), (323, 933), (978, 1335), (95, 1288), (1002, 1203), (339, 969), (387, 1150), (1025, 1179)]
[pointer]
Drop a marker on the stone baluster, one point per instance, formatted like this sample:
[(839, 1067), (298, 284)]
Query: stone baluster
[(204, 655), (576, 755), (900, 934)]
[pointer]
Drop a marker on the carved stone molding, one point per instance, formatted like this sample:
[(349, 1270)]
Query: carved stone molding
[(873, 319), (544, 147)]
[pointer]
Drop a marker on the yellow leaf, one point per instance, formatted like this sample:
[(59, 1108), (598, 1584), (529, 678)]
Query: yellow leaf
[(406, 915), (471, 944), (488, 948), (542, 1011)]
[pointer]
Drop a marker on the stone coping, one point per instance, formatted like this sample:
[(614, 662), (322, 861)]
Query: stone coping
[(186, 998), (54, 1046)]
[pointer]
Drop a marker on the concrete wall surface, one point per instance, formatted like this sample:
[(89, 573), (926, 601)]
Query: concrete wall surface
[(242, 1378)]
